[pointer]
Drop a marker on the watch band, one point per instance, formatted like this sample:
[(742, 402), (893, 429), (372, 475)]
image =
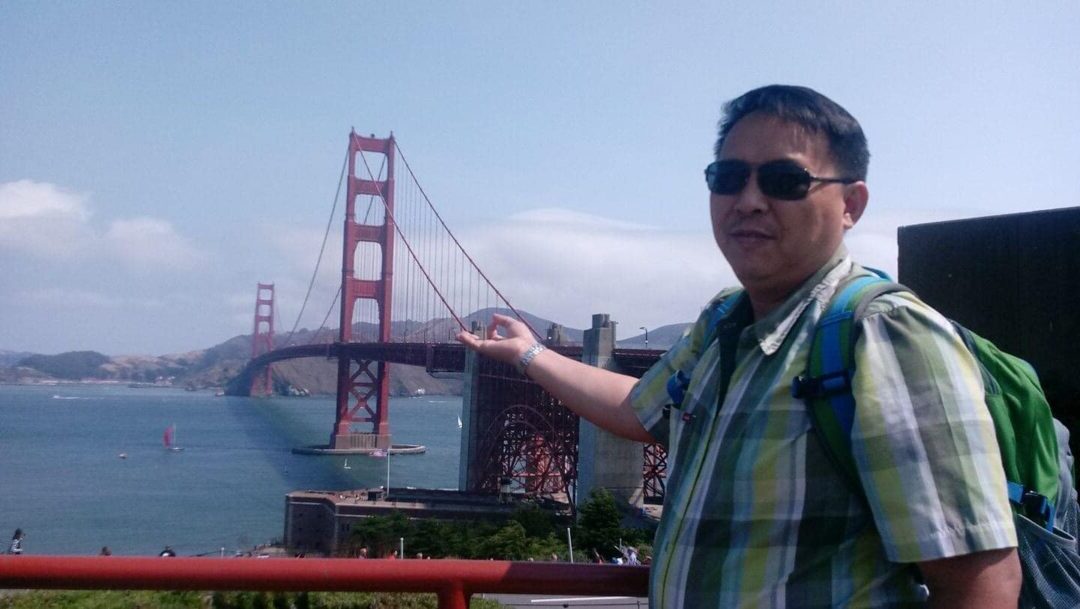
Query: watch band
[(529, 355)]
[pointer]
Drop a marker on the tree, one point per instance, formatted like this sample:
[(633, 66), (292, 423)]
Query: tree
[(537, 522), (508, 543), (599, 524), (381, 533)]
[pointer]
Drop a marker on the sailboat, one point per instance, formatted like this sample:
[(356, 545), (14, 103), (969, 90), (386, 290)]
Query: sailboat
[(459, 422), (347, 466), (168, 439)]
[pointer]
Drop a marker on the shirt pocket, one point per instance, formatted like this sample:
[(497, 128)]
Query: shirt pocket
[(693, 419)]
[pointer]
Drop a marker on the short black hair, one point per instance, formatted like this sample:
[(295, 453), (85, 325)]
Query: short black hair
[(813, 112)]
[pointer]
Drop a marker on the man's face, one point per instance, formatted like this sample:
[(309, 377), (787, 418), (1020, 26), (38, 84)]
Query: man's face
[(774, 245)]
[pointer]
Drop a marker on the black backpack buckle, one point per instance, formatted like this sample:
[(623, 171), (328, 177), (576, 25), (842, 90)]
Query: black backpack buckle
[(805, 387), (1036, 506)]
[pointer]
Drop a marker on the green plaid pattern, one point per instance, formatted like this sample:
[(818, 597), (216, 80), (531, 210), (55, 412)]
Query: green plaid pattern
[(756, 515)]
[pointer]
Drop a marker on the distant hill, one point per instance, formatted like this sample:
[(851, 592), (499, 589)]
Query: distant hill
[(214, 366), (9, 359), (663, 337), (659, 338), (73, 365)]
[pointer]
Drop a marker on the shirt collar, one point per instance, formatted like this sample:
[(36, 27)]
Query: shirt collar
[(772, 330)]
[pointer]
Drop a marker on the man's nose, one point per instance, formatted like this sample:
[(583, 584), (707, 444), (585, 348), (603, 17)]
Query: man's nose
[(750, 199)]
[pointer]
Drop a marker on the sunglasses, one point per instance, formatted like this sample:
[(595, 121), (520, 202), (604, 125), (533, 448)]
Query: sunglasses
[(780, 179)]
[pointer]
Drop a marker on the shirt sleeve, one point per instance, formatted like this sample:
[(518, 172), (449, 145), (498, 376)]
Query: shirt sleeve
[(649, 397), (923, 439)]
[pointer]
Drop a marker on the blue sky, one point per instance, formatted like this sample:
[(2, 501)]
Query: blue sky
[(159, 159)]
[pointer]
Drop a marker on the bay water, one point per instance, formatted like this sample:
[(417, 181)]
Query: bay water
[(84, 466)]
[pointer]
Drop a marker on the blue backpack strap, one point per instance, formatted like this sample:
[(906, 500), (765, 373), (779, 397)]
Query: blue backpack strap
[(826, 387), (826, 383), (677, 384)]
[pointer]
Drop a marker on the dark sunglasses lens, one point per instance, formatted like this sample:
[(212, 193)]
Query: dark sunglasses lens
[(727, 177), (785, 181)]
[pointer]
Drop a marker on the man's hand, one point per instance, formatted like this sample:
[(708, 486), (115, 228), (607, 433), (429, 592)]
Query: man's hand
[(601, 396), (509, 348)]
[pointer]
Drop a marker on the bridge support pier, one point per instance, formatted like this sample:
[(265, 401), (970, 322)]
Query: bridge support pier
[(362, 385), (470, 407), (359, 441), (605, 460)]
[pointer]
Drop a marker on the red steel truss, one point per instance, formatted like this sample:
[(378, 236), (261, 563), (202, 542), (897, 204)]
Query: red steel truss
[(654, 473), (363, 387), (526, 441), (262, 338)]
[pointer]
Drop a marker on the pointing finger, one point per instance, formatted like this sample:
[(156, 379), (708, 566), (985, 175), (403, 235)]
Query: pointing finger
[(468, 339)]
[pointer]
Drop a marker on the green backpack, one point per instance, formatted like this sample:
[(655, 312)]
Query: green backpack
[(1034, 446)]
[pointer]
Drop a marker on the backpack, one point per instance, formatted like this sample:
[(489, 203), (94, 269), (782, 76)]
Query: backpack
[(1034, 446)]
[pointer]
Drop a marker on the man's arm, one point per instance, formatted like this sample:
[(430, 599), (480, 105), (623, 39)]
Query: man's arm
[(600, 396), (982, 580)]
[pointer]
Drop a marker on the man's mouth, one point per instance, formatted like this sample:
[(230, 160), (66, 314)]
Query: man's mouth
[(749, 234)]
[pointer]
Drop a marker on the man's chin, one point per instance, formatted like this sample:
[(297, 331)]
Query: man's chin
[(750, 277), (754, 268)]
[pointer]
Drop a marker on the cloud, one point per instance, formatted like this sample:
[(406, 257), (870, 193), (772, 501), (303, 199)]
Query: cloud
[(46, 221), (299, 248), (148, 244), (42, 219), (565, 266), (27, 199)]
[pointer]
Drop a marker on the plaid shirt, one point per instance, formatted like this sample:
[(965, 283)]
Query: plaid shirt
[(756, 515)]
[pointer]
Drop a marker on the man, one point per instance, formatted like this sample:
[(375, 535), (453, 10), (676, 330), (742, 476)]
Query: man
[(16, 542), (755, 513)]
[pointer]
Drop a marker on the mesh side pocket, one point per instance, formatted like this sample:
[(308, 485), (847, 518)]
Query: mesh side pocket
[(1050, 564)]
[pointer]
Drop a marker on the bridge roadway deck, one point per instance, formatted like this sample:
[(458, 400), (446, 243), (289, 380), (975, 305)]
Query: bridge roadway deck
[(434, 357)]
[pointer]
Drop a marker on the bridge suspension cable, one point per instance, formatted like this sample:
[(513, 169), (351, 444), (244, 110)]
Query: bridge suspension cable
[(318, 263), (322, 249), (443, 266), (458, 243), (329, 312)]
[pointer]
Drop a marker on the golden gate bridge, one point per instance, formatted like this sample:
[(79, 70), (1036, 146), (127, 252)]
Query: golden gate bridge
[(407, 287)]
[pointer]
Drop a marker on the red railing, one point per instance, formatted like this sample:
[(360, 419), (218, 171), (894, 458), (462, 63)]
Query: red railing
[(454, 581)]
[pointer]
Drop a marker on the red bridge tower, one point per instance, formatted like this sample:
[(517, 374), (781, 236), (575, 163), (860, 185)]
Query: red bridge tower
[(363, 387), (262, 338)]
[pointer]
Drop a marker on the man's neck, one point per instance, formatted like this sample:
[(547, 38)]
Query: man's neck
[(763, 307), (765, 300), (767, 296)]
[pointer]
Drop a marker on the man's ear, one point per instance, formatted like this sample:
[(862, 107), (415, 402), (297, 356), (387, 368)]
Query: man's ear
[(856, 196)]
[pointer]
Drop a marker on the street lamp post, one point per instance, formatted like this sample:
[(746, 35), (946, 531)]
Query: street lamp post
[(646, 336)]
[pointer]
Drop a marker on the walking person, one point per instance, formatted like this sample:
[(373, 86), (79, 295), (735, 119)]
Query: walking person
[(756, 514), (16, 542)]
